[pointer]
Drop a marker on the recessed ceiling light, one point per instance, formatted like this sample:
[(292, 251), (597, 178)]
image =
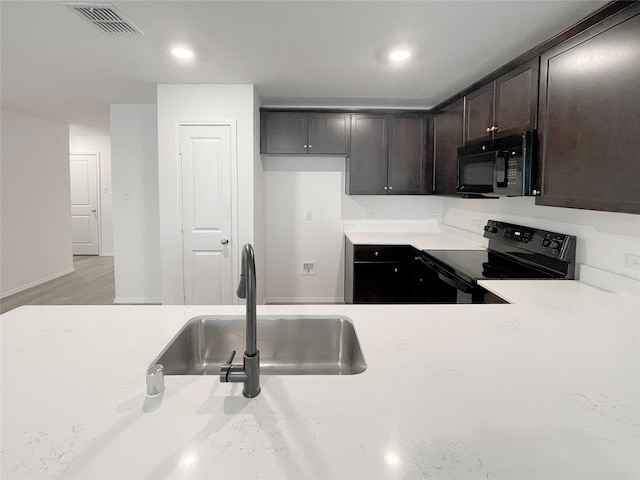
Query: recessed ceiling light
[(182, 52), (399, 55)]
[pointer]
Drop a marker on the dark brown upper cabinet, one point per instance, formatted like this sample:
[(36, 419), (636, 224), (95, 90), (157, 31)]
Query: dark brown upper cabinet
[(388, 155), (505, 106), (304, 133), (448, 132), (590, 118)]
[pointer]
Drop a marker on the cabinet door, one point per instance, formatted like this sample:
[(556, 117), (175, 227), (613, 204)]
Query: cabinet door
[(590, 119), (283, 132), (328, 133), (378, 282), (516, 100), (448, 133), (367, 162), (479, 113), (407, 169)]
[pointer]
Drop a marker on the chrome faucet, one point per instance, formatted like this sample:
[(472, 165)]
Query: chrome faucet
[(249, 371)]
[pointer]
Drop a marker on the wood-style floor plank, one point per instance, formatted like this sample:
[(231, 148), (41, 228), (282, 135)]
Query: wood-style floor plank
[(92, 283)]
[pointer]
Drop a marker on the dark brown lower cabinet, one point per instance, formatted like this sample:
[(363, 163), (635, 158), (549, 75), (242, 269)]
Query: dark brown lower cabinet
[(391, 274), (378, 273), (381, 282), (590, 118)]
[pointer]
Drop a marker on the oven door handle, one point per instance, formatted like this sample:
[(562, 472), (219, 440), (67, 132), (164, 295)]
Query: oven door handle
[(453, 282), (463, 287)]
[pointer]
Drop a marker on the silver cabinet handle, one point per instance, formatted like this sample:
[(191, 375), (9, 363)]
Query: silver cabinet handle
[(94, 210), (489, 129), (224, 241), (390, 188), (384, 188)]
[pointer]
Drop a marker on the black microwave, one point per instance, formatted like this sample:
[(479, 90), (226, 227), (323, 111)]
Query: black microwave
[(500, 167)]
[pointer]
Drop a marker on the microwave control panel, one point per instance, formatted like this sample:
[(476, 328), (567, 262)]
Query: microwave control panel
[(513, 177)]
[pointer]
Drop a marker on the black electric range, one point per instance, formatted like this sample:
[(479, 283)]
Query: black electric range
[(514, 252)]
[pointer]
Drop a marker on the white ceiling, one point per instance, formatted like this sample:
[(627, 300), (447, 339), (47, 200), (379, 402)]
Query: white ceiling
[(311, 53)]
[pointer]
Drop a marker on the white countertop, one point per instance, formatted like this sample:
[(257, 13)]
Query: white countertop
[(547, 387)]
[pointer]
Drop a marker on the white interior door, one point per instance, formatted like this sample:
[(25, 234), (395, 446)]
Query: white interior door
[(84, 204), (206, 214)]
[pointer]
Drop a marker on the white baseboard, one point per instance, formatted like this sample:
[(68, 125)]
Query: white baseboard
[(303, 300), (137, 301), (37, 282), (106, 254)]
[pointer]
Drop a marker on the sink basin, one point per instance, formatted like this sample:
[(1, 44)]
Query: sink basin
[(297, 345)]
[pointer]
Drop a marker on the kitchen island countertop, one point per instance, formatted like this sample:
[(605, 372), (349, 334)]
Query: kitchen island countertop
[(546, 387)]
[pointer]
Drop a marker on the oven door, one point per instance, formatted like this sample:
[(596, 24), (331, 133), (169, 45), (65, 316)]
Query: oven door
[(441, 286)]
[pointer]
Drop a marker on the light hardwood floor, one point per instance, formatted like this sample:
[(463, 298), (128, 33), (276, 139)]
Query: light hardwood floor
[(92, 283)]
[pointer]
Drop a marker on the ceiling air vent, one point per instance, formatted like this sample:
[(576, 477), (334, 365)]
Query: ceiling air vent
[(106, 17)]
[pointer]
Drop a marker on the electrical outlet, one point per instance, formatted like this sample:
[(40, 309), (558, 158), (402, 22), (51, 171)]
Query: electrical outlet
[(476, 224), (633, 262), (309, 268), (126, 194), (308, 215)]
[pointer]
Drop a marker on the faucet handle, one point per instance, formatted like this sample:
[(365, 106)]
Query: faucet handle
[(231, 357), (226, 367)]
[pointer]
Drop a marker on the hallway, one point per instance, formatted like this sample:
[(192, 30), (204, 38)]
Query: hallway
[(92, 283)]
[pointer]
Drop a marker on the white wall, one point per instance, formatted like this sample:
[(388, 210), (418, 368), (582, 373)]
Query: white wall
[(293, 187), (206, 103), (297, 185), (603, 238), (392, 207), (136, 230), (100, 144), (35, 219)]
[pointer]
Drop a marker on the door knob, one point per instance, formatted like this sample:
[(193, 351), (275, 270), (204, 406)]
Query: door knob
[(224, 241), (93, 211)]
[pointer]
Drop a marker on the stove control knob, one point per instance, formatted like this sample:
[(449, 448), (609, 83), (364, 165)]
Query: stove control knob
[(546, 242), (490, 229), (554, 245)]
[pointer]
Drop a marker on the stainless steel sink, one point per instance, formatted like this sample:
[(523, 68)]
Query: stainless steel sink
[(299, 345)]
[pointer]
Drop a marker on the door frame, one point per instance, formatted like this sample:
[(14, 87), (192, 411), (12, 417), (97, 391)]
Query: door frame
[(98, 194), (178, 245)]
